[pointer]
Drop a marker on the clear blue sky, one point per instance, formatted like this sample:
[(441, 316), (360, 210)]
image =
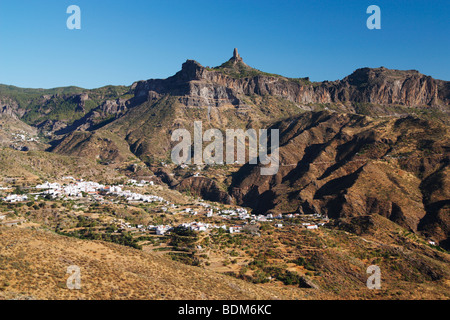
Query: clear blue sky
[(124, 41)]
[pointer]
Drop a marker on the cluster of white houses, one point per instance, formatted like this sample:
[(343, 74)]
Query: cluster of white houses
[(133, 196), (15, 198), (75, 189), (201, 227), (193, 226), (80, 187), (24, 137), (163, 229)]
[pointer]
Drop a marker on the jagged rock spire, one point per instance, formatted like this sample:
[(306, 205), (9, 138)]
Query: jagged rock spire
[(235, 53), (236, 56)]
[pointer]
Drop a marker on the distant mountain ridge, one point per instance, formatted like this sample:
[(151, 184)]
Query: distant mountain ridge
[(233, 84), (217, 86)]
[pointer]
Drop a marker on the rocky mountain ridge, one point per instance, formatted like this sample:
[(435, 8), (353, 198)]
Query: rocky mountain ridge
[(233, 84), (200, 86)]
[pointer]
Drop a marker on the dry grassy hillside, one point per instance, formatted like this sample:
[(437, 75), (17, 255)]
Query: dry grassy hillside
[(33, 265), (39, 165)]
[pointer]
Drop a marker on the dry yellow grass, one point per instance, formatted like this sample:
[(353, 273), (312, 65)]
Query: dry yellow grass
[(34, 264)]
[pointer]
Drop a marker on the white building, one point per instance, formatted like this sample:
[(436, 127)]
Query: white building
[(48, 185), (235, 229), (15, 198)]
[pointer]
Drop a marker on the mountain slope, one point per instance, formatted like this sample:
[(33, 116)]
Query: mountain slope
[(34, 265), (236, 95), (343, 165), (45, 107)]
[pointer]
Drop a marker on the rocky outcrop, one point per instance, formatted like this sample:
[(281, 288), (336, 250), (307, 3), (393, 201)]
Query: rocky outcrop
[(81, 99), (236, 55), (200, 86), (51, 125), (108, 111), (10, 108), (7, 111), (384, 86)]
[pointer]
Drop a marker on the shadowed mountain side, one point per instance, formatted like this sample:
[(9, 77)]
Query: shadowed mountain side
[(349, 165)]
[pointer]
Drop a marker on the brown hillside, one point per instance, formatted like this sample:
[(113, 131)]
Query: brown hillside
[(349, 165)]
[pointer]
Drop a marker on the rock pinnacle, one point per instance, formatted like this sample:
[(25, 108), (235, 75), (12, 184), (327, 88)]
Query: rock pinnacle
[(236, 56)]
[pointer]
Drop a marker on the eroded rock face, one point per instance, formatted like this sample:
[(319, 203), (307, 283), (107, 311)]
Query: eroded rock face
[(52, 125), (199, 86), (7, 111), (10, 108), (384, 86), (81, 99), (109, 109)]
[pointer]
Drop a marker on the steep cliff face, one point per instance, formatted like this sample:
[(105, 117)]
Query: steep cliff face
[(384, 86), (193, 84), (233, 84), (199, 86), (226, 84), (7, 111), (106, 112)]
